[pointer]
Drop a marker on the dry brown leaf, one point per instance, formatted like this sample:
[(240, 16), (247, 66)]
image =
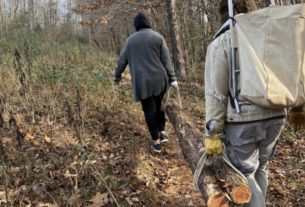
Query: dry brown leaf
[(11, 153), (100, 200), (74, 200), (7, 140), (2, 197), (135, 199), (29, 136), (128, 200), (14, 170), (47, 205)]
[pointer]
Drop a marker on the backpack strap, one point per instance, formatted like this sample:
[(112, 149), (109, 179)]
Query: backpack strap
[(222, 30)]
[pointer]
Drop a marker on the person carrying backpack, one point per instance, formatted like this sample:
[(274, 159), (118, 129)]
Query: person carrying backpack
[(152, 73), (250, 136)]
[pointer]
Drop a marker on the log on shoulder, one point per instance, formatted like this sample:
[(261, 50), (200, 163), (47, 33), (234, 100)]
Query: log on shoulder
[(218, 183)]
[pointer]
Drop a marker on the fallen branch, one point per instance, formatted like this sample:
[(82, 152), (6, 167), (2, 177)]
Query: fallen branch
[(218, 182)]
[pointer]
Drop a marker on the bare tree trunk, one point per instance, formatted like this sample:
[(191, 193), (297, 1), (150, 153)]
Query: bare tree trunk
[(185, 37), (179, 62), (31, 14), (14, 7), (116, 41), (187, 14), (152, 13), (89, 36), (97, 44), (24, 5), (3, 17), (211, 10)]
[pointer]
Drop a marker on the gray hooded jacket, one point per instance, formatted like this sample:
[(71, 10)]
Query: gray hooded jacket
[(148, 57)]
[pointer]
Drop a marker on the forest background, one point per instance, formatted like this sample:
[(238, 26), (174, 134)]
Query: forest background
[(70, 137)]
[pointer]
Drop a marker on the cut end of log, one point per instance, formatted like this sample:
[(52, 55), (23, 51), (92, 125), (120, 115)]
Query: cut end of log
[(241, 194), (219, 200)]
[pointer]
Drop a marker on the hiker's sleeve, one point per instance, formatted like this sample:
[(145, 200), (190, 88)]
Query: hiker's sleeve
[(122, 63), (216, 87), (166, 61)]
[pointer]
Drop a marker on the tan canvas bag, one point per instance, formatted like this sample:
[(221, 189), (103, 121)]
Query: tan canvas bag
[(271, 45)]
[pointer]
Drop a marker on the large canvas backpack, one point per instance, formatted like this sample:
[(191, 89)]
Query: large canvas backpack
[(271, 45)]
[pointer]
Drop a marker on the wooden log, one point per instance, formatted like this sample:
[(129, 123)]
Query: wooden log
[(190, 142), (231, 181), (218, 181)]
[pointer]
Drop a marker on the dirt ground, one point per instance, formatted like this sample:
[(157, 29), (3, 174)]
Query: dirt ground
[(114, 160)]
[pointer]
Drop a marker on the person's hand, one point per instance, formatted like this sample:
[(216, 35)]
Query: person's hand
[(297, 120), (174, 84), (213, 144)]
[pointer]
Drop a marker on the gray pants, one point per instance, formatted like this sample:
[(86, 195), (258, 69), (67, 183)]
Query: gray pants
[(250, 146)]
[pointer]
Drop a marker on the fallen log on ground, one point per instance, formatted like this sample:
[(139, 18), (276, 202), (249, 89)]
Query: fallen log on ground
[(220, 185)]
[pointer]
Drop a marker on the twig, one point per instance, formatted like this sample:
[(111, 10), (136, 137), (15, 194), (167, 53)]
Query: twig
[(79, 119), (19, 133), (19, 69), (114, 88), (107, 187), (3, 170), (49, 194)]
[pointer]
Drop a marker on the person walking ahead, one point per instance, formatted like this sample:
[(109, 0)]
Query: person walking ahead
[(152, 73)]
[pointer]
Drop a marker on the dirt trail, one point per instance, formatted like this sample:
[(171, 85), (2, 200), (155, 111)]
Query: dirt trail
[(58, 170)]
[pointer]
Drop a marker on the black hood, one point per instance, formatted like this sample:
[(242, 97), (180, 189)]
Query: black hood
[(141, 21)]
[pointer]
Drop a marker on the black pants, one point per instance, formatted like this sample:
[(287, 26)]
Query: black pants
[(154, 115)]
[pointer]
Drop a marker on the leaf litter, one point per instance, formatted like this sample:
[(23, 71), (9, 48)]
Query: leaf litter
[(55, 169)]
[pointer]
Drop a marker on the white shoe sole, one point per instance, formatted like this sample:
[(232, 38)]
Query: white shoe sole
[(164, 141), (155, 150)]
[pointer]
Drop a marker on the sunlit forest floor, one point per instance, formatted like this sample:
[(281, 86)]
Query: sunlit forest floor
[(72, 138)]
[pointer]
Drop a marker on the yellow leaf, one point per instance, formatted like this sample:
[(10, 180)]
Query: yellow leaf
[(293, 185), (47, 139)]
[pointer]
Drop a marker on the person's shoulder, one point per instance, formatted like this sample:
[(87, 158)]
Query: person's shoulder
[(144, 32), (154, 35), (223, 34), (222, 39), (151, 32), (132, 36), (159, 37), (155, 32), (147, 35)]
